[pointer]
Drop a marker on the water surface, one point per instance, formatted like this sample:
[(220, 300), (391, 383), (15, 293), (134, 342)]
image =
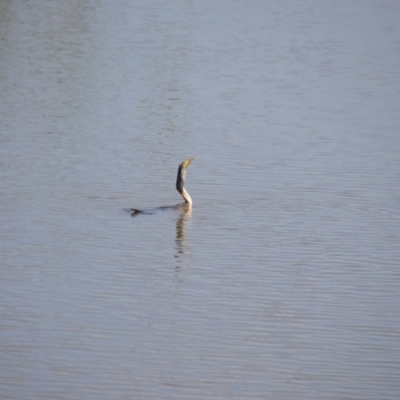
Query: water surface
[(282, 282)]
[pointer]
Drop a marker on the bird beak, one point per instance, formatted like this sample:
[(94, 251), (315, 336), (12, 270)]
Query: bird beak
[(188, 162)]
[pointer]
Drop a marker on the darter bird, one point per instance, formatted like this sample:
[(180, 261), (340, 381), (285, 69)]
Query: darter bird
[(180, 187)]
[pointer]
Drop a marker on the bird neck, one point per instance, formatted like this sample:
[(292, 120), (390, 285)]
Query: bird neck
[(186, 197)]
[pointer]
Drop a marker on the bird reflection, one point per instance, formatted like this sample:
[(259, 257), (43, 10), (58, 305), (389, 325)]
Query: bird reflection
[(182, 248)]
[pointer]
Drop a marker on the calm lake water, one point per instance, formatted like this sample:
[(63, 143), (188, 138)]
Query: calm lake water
[(283, 282)]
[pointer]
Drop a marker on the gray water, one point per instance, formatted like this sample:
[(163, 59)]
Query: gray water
[(283, 282)]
